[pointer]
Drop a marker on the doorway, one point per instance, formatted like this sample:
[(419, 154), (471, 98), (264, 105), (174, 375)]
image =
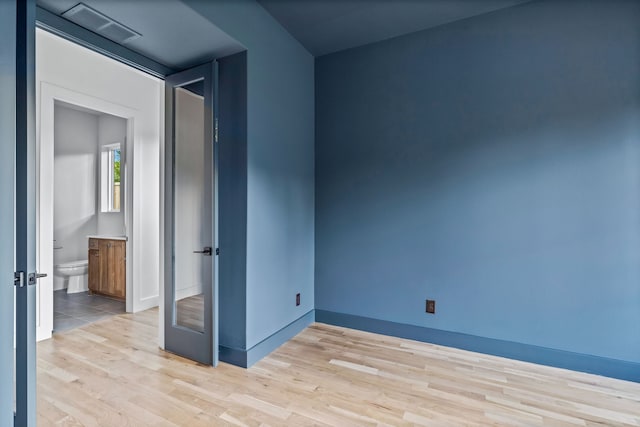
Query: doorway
[(88, 182), (123, 93)]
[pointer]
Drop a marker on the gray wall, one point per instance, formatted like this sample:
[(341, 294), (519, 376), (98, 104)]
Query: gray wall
[(492, 164), (280, 166), (75, 211)]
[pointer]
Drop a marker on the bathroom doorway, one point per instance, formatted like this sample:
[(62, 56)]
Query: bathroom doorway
[(88, 205), (82, 140)]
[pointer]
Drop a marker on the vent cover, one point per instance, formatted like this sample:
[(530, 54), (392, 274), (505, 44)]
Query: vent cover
[(97, 22)]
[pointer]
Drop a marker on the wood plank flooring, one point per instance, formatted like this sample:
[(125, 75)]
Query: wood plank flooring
[(111, 373)]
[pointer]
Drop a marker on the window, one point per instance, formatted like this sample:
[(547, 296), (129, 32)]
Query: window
[(110, 189)]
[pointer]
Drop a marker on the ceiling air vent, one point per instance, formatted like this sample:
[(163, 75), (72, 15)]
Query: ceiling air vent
[(97, 22)]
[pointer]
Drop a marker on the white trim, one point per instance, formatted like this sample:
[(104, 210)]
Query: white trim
[(161, 114)]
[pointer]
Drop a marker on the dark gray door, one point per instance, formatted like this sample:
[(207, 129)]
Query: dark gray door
[(190, 291), (17, 214), (7, 176)]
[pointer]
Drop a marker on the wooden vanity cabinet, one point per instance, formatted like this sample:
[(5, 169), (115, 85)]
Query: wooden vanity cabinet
[(107, 267)]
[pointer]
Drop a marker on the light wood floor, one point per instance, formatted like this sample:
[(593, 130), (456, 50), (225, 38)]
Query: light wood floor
[(111, 373)]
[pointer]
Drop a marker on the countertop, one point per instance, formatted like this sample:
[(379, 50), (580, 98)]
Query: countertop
[(108, 237)]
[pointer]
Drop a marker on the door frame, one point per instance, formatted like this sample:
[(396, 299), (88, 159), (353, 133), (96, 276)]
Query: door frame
[(49, 94)]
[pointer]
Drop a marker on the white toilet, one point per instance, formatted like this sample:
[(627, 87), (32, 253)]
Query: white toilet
[(75, 272)]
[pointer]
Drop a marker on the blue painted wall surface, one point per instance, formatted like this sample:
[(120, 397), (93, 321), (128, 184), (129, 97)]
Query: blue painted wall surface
[(493, 165), (280, 166), (232, 200)]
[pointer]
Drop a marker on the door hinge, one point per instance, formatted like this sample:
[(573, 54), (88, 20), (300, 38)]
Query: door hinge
[(217, 251), (215, 134)]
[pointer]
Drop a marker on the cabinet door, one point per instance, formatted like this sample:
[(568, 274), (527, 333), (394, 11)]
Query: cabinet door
[(117, 268), (94, 270), (112, 266), (107, 267)]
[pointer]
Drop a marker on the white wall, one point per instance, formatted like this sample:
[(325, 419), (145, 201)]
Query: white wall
[(68, 68), (111, 130), (75, 175)]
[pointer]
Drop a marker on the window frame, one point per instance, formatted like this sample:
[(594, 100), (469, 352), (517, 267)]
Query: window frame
[(107, 178)]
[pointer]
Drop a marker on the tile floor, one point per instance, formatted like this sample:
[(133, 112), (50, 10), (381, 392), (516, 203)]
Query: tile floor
[(74, 310)]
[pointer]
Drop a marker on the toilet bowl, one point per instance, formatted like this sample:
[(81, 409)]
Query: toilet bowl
[(75, 272)]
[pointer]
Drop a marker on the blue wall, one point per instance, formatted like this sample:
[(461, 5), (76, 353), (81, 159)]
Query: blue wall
[(280, 167), (232, 200), (492, 164)]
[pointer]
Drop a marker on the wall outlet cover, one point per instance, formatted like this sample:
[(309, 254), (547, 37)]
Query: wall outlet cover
[(431, 306)]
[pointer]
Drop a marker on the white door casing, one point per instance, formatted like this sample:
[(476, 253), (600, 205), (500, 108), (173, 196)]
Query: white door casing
[(50, 93)]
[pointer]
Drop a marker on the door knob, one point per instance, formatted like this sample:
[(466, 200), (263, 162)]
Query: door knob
[(208, 251)]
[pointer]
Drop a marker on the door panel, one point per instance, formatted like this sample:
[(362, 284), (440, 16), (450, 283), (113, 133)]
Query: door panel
[(190, 215), (94, 269), (25, 215), (118, 265), (113, 264), (7, 174)]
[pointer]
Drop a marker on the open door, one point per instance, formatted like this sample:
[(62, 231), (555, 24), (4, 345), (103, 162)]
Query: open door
[(190, 288), (7, 180), (18, 278)]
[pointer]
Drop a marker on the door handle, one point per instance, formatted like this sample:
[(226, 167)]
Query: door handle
[(33, 278), (208, 251)]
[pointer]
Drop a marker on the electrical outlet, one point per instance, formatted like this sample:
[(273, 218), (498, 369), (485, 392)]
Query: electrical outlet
[(431, 306), (297, 299)]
